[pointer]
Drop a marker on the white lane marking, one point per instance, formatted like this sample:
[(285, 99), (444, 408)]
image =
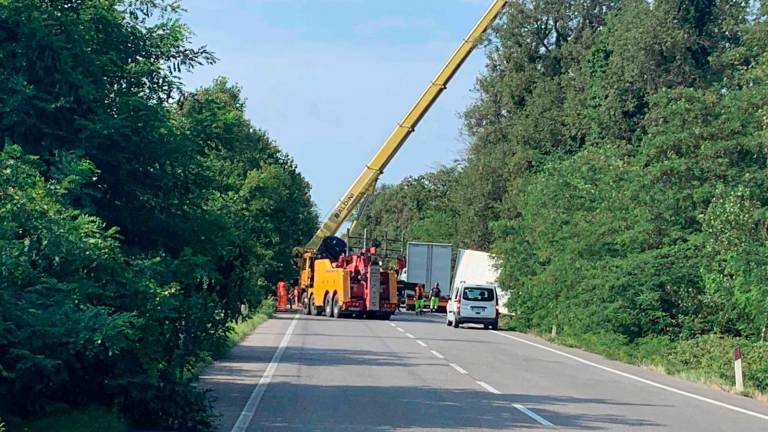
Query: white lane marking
[(410, 336), (253, 402), (458, 368), (437, 354), (421, 343), (400, 330), (532, 415), (393, 324), (488, 387), (636, 378)]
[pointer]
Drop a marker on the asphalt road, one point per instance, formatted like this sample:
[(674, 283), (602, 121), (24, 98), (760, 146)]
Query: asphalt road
[(300, 373)]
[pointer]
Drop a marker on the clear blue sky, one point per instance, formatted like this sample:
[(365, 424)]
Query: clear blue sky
[(329, 79)]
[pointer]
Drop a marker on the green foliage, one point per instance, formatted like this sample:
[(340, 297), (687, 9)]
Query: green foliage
[(419, 208), (712, 356), (137, 221), (617, 165), (708, 358), (85, 420)]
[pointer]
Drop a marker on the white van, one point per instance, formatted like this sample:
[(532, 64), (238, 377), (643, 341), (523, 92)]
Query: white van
[(473, 304)]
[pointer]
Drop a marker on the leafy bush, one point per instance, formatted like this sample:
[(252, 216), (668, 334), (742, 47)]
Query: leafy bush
[(86, 420), (712, 356), (137, 220), (620, 179)]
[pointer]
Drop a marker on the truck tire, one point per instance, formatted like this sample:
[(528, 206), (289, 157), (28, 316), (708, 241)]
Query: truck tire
[(456, 322), (328, 306), (305, 305), (314, 310), (495, 325), (336, 307)]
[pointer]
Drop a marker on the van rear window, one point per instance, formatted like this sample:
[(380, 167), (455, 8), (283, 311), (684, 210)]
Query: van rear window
[(478, 294)]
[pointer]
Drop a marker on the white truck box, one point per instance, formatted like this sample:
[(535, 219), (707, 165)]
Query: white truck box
[(429, 263), (475, 267)]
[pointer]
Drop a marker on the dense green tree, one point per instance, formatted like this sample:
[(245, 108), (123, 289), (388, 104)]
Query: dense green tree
[(419, 208), (137, 221), (617, 165)]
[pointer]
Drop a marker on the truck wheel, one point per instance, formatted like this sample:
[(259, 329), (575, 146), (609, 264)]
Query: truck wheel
[(305, 304), (494, 325), (313, 310), (328, 306), (336, 307), (456, 323)]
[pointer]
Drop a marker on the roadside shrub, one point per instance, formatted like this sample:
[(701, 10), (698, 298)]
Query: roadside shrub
[(652, 350), (712, 356)]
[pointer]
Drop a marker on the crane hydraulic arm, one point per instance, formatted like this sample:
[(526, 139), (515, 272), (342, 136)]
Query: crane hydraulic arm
[(370, 174)]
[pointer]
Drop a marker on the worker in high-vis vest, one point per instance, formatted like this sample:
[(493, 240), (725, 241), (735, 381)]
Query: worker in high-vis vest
[(434, 297), (418, 299)]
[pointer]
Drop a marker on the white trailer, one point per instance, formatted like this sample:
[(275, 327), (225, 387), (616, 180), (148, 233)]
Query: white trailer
[(428, 263), (475, 267)]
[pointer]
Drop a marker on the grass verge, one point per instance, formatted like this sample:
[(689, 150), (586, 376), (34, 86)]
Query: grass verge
[(704, 359), (241, 329), (93, 419), (238, 331)]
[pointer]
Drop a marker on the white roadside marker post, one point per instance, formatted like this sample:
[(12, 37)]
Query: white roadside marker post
[(738, 370)]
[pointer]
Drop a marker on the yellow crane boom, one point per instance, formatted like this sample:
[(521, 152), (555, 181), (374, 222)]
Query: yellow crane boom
[(403, 130)]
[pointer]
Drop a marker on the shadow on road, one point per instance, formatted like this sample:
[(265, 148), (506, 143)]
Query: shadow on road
[(325, 357), (289, 405), (292, 407)]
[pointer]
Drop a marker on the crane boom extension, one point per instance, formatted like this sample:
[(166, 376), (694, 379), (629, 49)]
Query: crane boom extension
[(402, 131)]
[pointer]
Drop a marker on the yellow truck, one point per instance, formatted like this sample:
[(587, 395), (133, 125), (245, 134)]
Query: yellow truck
[(339, 283)]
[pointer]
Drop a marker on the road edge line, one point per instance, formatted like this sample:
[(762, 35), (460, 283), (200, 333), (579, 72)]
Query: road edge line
[(488, 387), (244, 420), (636, 378)]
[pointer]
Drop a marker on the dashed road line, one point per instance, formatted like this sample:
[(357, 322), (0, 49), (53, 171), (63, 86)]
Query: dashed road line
[(636, 378), (532, 415), (458, 368), (483, 384)]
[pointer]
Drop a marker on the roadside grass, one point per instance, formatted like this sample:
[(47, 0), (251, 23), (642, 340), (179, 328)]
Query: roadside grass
[(92, 419), (241, 329), (238, 332), (705, 359)]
